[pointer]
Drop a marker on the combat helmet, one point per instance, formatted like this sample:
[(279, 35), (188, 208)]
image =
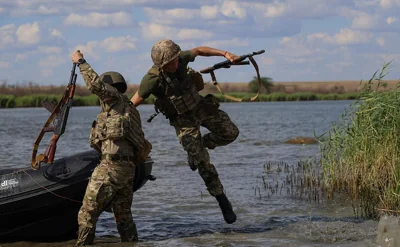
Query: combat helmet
[(164, 51), (114, 79)]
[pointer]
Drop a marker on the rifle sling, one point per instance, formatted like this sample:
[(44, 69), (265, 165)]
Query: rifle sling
[(214, 81)]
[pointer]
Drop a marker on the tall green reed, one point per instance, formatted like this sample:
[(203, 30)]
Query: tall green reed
[(360, 153)]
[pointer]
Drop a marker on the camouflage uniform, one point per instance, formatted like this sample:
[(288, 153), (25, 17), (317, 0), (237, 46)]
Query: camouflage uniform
[(187, 124), (222, 132), (111, 183)]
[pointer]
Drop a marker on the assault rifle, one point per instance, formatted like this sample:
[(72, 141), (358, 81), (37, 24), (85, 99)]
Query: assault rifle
[(59, 117), (228, 64)]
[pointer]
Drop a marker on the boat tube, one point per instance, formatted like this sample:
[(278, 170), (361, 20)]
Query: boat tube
[(43, 204)]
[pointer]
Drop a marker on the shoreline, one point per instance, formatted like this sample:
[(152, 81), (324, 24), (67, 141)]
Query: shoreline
[(11, 101)]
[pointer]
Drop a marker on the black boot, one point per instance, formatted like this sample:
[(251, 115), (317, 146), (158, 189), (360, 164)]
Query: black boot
[(226, 208), (85, 236), (128, 231)]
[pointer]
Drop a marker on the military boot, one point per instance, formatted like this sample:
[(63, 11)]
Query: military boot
[(85, 236), (226, 208), (128, 232)]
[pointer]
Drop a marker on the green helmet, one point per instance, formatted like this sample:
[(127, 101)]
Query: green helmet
[(164, 51), (114, 79)]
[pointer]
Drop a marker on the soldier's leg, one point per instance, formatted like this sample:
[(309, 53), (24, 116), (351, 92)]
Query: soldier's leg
[(98, 194), (222, 130), (190, 137), (121, 206), (191, 141)]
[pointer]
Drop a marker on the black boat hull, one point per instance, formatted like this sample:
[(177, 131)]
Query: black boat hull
[(43, 204)]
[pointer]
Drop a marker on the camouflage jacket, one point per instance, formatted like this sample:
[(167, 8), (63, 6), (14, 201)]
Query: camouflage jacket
[(118, 128)]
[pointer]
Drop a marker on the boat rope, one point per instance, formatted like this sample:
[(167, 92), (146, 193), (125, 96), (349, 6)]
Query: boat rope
[(43, 187)]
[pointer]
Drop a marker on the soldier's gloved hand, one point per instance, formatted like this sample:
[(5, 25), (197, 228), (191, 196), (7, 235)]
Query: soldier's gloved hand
[(77, 56), (230, 56)]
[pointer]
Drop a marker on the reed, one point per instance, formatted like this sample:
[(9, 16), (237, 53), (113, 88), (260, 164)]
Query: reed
[(360, 153), (34, 100), (300, 181), (359, 157)]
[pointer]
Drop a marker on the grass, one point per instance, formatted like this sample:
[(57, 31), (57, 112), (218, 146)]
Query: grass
[(360, 155), (359, 159), (290, 97), (10, 101), (31, 94), (34, 100), (318, 87)]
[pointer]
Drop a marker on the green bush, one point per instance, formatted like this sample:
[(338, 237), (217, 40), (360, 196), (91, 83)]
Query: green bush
[(7, 101), (266, 83)]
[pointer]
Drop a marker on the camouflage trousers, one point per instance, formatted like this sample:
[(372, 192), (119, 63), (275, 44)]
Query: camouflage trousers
[(109, 187), (222, 132)]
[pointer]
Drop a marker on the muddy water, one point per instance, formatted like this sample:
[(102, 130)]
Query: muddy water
[(176, 209)]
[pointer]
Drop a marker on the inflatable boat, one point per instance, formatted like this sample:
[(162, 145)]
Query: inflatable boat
[(43, 204)]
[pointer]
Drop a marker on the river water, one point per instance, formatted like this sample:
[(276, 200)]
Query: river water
[(176, 209)]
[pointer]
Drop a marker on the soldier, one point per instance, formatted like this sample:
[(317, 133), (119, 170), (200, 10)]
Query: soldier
[(117, 134), (177, 97)]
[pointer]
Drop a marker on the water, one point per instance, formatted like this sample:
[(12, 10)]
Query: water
[(176, 209)]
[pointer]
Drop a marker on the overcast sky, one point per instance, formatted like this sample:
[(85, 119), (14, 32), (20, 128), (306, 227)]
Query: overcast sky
[(304, 40)]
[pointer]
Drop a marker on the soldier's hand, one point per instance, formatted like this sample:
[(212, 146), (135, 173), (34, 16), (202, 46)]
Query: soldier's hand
[(231, 57), (76, 56)]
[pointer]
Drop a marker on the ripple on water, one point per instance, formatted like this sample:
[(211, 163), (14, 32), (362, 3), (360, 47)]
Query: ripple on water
[(176, 209)]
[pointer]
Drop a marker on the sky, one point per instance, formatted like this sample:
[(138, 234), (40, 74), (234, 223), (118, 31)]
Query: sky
[(304, 40)]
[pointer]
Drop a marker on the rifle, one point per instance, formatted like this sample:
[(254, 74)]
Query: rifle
[(59, 113), (228, 64)]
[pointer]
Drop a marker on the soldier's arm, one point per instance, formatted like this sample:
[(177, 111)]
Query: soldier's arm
[(208, 52), (105, 92), (136, 99), (147, 86)]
